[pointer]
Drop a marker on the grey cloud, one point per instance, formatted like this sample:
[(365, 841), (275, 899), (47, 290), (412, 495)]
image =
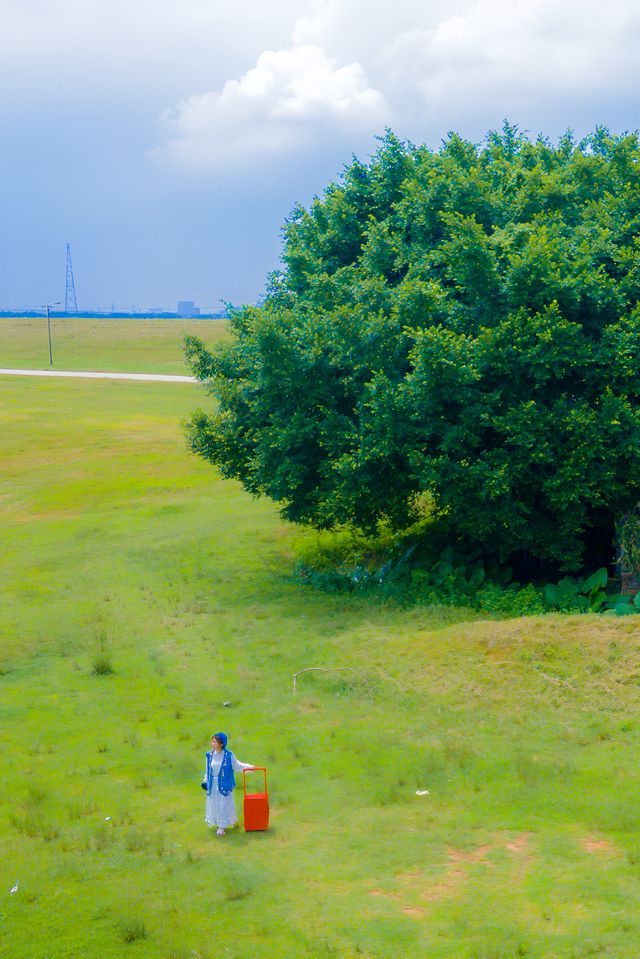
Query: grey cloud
[(261, 104)]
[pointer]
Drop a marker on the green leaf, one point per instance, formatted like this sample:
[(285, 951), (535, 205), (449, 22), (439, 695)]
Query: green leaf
[(552, 596), (597, 600), (569, 586), (597, 580), (625, 609), (614, 598)]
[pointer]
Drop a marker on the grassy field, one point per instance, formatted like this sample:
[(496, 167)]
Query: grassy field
[(122, 552), (145, 346)]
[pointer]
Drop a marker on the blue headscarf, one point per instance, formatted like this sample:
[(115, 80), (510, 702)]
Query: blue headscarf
[(226, 777)]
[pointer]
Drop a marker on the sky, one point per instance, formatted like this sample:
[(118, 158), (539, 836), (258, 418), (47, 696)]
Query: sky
[(167, 140)]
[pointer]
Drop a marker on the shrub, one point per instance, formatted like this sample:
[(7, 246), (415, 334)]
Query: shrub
[(457, 578), (513, 601)]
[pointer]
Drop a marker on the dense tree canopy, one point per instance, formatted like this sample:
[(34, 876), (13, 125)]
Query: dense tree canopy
[(463, 322)]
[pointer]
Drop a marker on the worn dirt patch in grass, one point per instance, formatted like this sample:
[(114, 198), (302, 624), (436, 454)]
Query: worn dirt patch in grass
[(475, 855), (520, 843), (456, 874), (415, 911), (430, 889), (448, 885), (385, 895), (593, 845)]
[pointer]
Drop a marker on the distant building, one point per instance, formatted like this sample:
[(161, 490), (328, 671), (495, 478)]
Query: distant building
[(188, 308)]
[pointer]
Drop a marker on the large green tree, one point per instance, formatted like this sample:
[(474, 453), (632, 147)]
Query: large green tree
[(464, 323)]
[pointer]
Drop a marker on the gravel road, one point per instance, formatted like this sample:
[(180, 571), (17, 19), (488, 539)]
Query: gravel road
[(157, 377)]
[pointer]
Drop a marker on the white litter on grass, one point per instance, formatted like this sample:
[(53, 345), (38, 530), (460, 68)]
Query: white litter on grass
[(15, 888), (107, 818), (422, 792)]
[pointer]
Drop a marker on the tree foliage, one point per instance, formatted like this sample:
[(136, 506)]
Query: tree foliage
[(463, 322)]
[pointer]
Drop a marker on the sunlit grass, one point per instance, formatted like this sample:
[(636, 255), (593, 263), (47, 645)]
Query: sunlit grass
[(117, 545), (104, 345)]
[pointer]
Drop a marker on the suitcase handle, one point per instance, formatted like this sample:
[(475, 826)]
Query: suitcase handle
[(256, 769)]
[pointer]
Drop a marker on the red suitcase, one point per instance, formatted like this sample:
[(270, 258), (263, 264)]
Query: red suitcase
[(256, 804)]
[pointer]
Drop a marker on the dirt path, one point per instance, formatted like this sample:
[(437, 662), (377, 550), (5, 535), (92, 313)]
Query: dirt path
[(157, 377)]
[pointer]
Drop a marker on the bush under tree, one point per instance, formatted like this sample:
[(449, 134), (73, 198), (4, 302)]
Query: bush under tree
[(463, 323)]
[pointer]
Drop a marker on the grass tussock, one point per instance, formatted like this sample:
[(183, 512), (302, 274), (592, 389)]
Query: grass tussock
[(101, 665), (136, 840), (32, 824), (238, 882), (132, 930)]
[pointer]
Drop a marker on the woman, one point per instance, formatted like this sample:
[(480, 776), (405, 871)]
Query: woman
[(219, 781)]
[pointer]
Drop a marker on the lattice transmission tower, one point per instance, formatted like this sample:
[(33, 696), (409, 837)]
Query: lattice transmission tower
[(70, 302)]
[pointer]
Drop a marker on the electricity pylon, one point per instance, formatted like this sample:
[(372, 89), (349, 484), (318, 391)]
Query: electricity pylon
[(70, 302)]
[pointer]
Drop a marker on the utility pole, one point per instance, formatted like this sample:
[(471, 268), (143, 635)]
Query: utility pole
[(47, 307)]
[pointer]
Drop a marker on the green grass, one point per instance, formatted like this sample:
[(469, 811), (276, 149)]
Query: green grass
[(118, 547), (143, 346)]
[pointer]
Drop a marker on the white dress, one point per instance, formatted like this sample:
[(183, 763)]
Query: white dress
[(221, 810)]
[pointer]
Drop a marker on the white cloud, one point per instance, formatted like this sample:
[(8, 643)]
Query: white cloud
[(516, 57), (316, 69), (289, 100), (423, 68), (360, 28)]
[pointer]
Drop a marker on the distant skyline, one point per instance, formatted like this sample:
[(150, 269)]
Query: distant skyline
[(167, 142)]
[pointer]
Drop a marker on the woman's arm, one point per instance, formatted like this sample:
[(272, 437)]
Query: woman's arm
[(238, 766)]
